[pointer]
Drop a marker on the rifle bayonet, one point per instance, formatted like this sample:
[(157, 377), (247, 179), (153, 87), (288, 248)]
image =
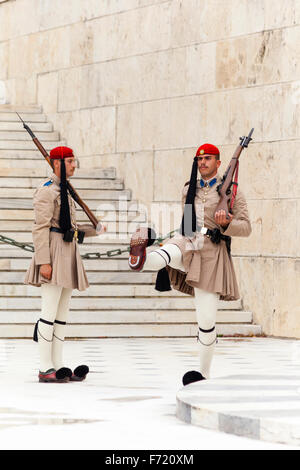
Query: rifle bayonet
[(246, 140), (27, 127)]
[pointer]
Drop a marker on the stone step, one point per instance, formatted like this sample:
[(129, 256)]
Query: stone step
[(104, 242), (104, 245), (127, 316), (96, 278), (97, 206), (85, 194), (28, 144), (11, 163), (23, 136), (118, 225), (106, 303), (8, 251), (111, 264), (35, 127), (132, 330), (26, 237), (20, 172), (28, 215), (103, 290), (80, 183), (103, 265), (45, 172), (95, 173), (108, 290), (10, 108), (90, 245), (28, 117), (20, 155), (20, 226)]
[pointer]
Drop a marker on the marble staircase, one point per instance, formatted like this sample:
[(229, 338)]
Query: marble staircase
[(119, 302)]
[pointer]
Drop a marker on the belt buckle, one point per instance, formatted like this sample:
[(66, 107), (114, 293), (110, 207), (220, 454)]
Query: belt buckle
[(76, 235), (203, 231)]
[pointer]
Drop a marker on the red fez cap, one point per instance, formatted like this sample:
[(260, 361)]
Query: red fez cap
[(58, 153), (209, 149)]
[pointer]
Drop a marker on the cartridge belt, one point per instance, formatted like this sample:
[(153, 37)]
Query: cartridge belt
[(70, 235)]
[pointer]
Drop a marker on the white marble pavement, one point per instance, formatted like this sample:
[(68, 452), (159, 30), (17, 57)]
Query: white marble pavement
[(260, 399), (129, 398)]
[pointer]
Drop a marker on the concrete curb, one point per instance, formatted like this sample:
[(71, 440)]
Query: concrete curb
[(264, 407)]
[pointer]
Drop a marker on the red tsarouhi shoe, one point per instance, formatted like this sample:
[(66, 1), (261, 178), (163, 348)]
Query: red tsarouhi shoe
[(142, 238), (53, 376)]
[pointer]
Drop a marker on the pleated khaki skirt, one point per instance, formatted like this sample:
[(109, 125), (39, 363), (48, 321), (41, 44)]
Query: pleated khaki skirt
[(210, 269), (67, 267)]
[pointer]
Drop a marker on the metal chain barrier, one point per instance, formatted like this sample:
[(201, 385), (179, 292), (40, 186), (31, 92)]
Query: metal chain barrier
[(97, 255), (10, 241)]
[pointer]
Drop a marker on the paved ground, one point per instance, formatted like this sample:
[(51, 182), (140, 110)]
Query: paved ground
[(261, 402), (129, 399)]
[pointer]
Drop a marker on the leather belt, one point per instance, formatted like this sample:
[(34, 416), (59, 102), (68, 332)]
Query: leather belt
[(74, 233), (216, 236)]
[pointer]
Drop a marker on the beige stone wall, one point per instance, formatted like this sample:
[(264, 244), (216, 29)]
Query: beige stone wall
[(139, 84)]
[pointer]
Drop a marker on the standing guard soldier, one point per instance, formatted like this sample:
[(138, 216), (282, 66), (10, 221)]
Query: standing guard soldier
[(56, 265), (195, 263)]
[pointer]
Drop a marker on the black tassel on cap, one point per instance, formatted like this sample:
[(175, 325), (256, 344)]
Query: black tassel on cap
[(189, 221), (64, 216)]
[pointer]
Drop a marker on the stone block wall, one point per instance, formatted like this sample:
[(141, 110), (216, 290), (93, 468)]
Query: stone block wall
[(139, 84)]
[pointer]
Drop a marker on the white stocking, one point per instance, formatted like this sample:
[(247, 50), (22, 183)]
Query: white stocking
[(169, 254), (206, 304), (50, 299), (59, 328)]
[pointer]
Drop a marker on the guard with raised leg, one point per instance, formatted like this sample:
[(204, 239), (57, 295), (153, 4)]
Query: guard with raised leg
[(197, 261)]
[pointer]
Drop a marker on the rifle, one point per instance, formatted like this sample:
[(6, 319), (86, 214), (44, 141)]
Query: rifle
[(73, 193), (224, 188)]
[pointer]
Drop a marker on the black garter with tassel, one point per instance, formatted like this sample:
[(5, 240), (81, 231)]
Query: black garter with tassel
[(163, 281)]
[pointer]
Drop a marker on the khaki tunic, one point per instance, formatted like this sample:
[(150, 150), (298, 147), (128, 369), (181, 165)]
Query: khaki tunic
[(64, 257), (210, 268)]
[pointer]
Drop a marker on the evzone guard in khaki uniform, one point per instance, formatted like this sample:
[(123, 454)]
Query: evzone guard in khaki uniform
[(56, 265), (194, 262)]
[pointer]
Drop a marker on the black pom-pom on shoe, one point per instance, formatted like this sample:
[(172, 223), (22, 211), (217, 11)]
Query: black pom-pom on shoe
[(63, 373), (79, 373), (192, 376)]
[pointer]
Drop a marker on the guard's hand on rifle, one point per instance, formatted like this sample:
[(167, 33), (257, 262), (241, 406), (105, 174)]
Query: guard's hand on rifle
[(101, 229), (220, 218), (46, 271)]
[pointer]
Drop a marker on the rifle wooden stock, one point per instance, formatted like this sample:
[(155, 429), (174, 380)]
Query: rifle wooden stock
[(83, 205), (42, 150), (224, 191), (225, 187)]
